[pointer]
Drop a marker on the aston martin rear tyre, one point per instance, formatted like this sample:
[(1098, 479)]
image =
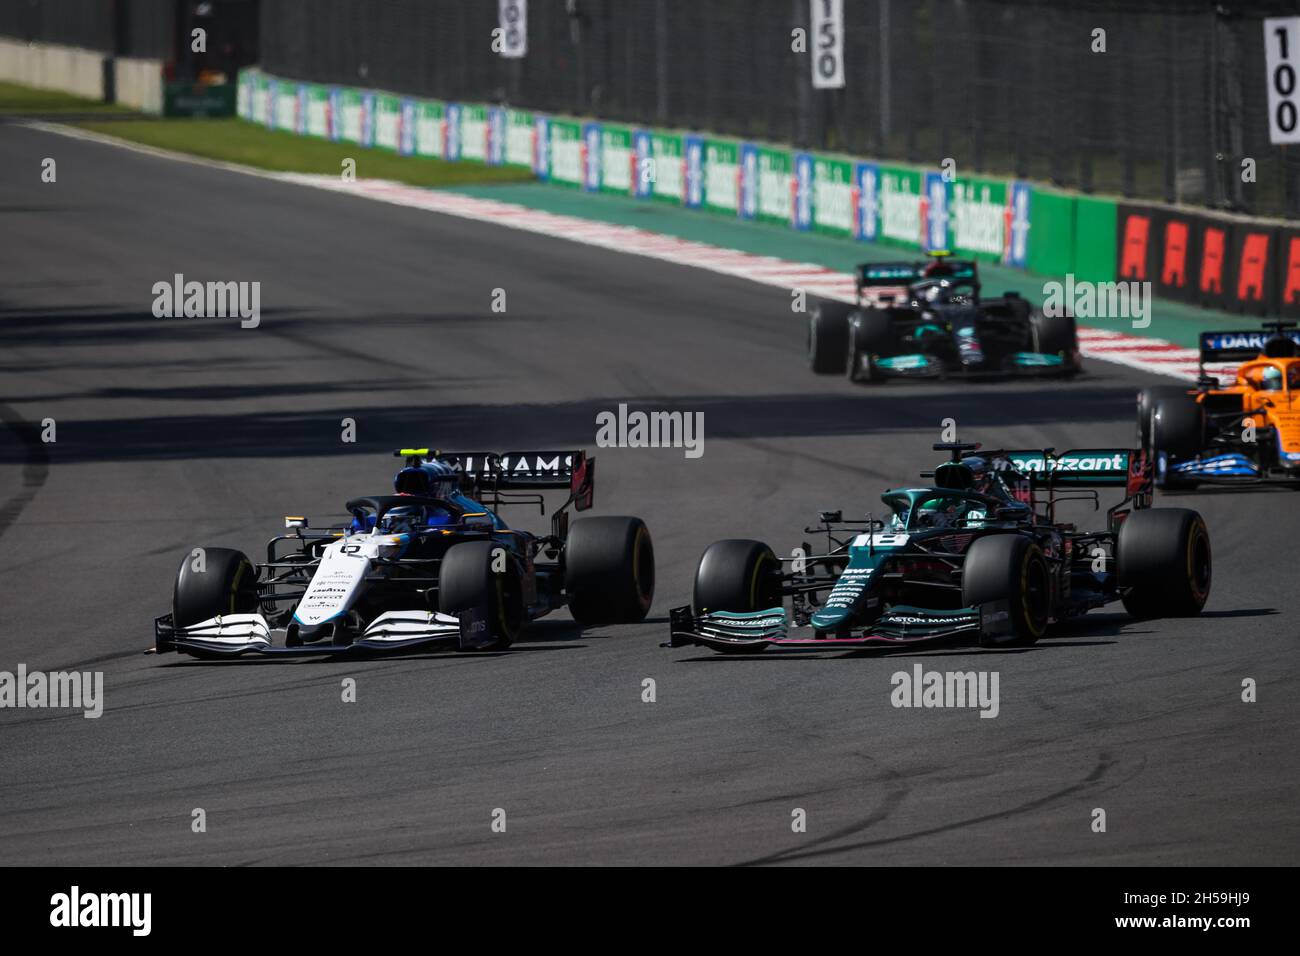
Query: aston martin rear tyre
[(1164, 563)]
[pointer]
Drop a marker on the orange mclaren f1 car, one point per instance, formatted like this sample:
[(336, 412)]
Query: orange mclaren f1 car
[(1245, 433)]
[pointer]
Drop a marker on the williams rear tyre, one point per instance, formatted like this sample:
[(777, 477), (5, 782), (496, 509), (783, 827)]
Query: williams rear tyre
[(609, 570), (1011, 568), (1164, 563)]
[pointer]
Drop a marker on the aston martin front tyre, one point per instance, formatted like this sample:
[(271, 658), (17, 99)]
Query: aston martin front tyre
[(1009, 568), (737, 575), (609, 570), (213, 581), (828, 336), (1164, 563), (484, 576)]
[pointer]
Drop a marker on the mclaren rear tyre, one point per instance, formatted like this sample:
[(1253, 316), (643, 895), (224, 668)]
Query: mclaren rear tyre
[(1010, 568), (609, 570), (1164, 563), (828, 336), (484, 576), (213, 581)]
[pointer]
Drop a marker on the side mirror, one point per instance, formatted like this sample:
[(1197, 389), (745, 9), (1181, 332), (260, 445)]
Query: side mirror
[(292, 522)]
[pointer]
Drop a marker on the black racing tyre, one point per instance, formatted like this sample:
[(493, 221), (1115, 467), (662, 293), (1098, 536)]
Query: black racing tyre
[(609, 570), (1164, 563), (1177, 431), (870, 335), (1011, 568), (828, 335), (1178, 426), (1056, 335), (1146, 404), (217, 581), (467, 579), (737, 575)]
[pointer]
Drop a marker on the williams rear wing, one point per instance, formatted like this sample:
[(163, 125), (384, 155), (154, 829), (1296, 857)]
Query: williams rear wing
[(527, 471)]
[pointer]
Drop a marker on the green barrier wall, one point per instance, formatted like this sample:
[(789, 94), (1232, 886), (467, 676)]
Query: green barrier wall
[(566, 152), (832, 204), (1051, 239), (722, 175), (977, 217), (1094, 239), (616, 173), (900, 206)]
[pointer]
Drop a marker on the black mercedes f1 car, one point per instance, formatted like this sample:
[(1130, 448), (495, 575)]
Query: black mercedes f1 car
[(928, 320)]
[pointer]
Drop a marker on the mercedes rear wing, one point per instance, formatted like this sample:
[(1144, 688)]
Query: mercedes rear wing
[(875, 274)]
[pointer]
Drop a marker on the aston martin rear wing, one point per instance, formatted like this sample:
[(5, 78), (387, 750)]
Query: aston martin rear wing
[(1083, 468), (1087, 467)]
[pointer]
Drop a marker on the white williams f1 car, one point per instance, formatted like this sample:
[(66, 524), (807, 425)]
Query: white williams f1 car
[(431, 564)]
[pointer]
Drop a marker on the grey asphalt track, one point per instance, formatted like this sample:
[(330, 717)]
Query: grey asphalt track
[(185, 432)]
